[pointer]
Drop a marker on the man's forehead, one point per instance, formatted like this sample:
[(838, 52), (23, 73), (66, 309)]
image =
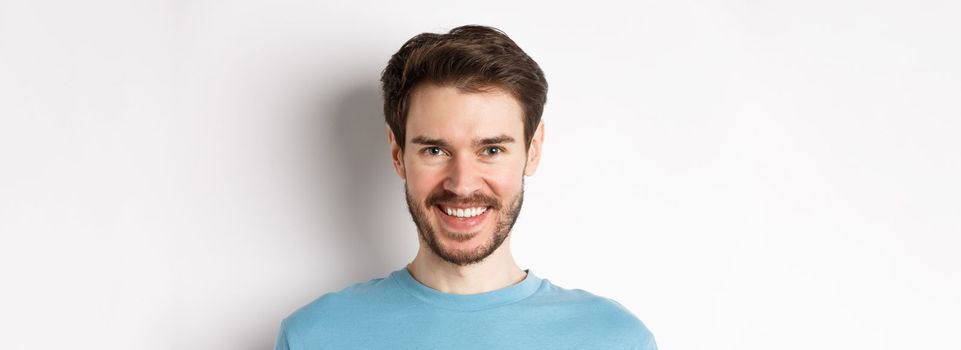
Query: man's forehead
[(446, 113)]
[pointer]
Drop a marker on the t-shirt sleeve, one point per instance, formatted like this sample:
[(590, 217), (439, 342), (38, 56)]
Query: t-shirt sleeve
[(282, 342), (640, 337), (650, 344)]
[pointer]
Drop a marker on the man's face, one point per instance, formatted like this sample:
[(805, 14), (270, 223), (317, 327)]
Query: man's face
[(464, 164)]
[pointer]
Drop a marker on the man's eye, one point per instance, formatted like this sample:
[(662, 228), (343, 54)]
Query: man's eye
[(433, 151), (490, 151)]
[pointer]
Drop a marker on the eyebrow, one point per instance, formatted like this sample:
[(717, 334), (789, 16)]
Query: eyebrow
[(494, 140), (423, 140)]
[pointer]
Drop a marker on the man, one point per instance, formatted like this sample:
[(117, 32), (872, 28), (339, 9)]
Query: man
[(463, 113)]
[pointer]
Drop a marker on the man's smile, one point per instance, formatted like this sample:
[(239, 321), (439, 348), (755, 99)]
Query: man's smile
[(463, 212), (462, 219)]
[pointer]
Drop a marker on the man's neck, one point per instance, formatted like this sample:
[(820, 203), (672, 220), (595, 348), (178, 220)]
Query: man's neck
[(499, 270)]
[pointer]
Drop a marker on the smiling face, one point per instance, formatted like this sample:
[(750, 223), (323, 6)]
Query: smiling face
[(464, 161)]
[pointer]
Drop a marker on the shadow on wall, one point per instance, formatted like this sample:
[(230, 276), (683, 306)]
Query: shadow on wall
[(349, 157), (364, 187)]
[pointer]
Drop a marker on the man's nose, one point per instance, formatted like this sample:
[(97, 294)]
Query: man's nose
[(463, 177)]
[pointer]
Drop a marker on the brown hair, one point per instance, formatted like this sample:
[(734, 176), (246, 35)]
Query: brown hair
[(471, 58)]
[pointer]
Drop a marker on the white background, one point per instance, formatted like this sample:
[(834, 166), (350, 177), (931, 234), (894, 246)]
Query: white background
[(739, 174)]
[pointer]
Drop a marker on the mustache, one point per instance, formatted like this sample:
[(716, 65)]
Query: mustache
[(451, 198)]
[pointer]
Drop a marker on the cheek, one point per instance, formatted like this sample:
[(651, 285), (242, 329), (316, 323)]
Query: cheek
[(420, 183), (506, 182), (507, 187)]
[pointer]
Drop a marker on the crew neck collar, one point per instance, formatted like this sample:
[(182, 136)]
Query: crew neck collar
[(467, 302)]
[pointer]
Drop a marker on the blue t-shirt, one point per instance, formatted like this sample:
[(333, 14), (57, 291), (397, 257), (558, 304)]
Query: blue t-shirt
[(398, 312)]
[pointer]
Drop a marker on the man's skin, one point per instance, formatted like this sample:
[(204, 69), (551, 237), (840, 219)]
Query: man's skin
[(446, 161)]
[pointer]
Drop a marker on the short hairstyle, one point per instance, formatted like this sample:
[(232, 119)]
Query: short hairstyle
[(471, 58)]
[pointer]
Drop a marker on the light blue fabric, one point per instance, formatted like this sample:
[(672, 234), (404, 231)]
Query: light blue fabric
[(398, 312)]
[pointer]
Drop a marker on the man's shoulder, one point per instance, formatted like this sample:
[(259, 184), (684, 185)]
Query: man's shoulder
[(596, 310), (344, 302)]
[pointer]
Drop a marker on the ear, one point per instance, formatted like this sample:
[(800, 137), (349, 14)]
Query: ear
[(534, 153), (396, 154)]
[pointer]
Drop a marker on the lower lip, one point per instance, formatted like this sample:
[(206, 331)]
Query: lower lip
[(457, 224)]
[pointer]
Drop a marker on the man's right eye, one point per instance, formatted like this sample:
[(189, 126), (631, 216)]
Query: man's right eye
[(433, 151)]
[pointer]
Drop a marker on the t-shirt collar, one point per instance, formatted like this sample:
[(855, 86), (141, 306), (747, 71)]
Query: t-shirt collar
[(467, 302)]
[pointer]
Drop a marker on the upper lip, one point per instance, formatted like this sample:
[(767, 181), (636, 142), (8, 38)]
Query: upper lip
[(462, 206)]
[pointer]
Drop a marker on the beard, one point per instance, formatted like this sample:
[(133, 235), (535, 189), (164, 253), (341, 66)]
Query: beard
[(506, 217)]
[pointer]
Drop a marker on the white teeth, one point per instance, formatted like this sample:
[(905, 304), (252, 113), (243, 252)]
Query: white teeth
[(465, 213)]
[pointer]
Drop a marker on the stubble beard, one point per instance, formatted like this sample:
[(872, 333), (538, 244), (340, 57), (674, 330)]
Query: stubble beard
[(507, 216)]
